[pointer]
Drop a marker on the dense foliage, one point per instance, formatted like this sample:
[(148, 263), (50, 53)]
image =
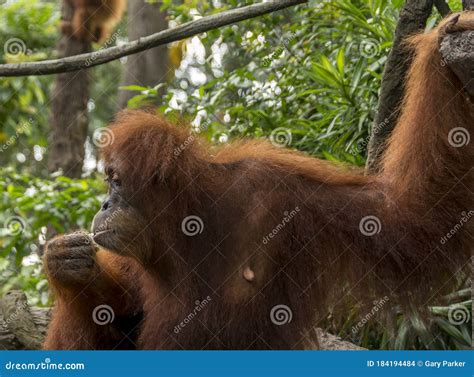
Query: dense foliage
[(310, 75), (32, 210), (297, 73), (23, 114)]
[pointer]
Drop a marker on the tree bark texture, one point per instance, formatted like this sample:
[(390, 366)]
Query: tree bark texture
[(69, 119), (150, 67), (413, 17)]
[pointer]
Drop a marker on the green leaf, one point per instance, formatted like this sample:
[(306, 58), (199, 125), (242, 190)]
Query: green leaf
[(340, 61)]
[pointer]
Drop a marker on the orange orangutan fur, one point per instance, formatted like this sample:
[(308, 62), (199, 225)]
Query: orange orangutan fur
[(93, 20), (321, 255)]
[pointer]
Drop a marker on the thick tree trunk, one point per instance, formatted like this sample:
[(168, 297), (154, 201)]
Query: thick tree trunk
[(69, 109), (413, 17), (150, 67)]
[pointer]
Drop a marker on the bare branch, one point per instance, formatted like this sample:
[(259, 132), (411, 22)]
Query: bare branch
[(189, 29)]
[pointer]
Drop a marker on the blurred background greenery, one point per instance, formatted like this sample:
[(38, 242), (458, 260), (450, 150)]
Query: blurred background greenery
[(313, 70)]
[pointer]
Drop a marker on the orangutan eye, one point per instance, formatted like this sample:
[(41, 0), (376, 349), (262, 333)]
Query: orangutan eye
[(113, 179)]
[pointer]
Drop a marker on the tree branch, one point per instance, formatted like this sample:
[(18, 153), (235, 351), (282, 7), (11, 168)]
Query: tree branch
[(189, 29)]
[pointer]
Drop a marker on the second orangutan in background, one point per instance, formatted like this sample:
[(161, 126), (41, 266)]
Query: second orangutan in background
[(93, 20)]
